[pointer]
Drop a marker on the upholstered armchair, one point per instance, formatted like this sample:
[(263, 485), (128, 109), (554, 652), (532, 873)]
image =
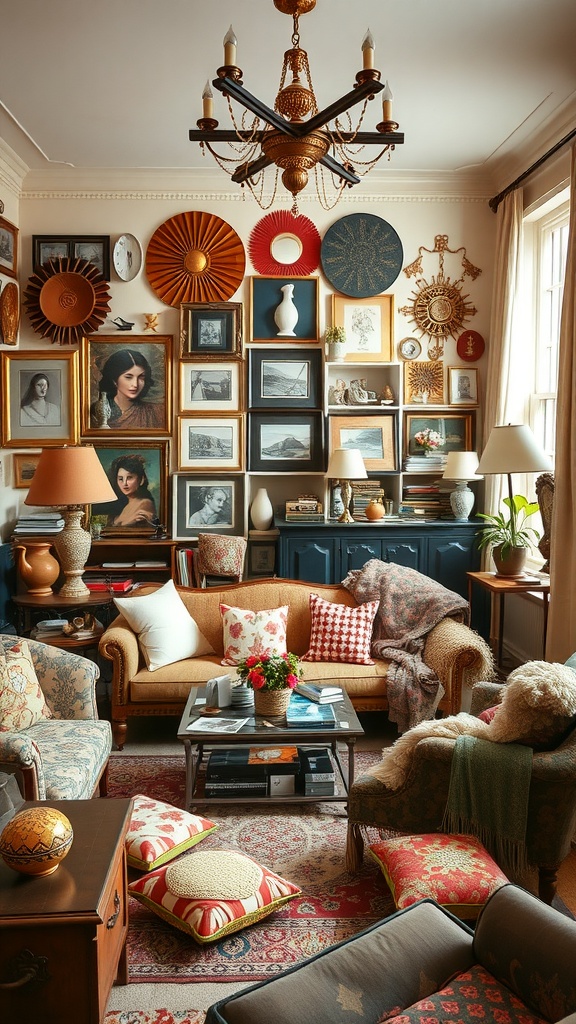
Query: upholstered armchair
[(419, 805), (64, 757)]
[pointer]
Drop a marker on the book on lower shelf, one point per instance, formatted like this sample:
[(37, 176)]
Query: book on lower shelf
[(233, 788), (252, 762), (318, 774), (97, 586), (306, 714)]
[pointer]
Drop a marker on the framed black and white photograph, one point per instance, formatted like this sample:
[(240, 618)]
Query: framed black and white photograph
[(369, 327), (8, 248), (463, 385), (94, 248), (138, 474), (455, 429), (261, 558), (283, 378), (209, 387), (211, 330), (284, 309), (40, 392), (210, 442), (126, 385), (286, 442), (202, 504), (373, 435)]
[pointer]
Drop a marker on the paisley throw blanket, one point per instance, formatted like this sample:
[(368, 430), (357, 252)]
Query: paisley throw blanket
[(410, 606)]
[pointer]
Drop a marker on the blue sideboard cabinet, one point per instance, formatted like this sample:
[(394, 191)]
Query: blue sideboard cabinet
[(326, 552)]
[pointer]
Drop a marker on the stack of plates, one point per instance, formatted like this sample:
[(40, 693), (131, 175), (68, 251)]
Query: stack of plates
[(242, 697)]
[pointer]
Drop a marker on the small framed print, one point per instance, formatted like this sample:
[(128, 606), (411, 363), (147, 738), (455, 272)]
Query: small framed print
[(40, 407), (463, 385), (211, 330), (284, 378), (261, 558), (209, 387), (94, 248), (270, 296), (210, 442), (126, 385), (424, 382), (24, 468), (138, 474), (8, 248), (369, 326), (286, 442), (206, 503), (373, 435), (455, 428)]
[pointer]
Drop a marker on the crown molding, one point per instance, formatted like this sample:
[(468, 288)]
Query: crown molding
[(537, 140), (12, 169)]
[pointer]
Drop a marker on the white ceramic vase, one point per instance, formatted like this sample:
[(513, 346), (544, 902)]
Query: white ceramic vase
[(261, 511), (286, 314)]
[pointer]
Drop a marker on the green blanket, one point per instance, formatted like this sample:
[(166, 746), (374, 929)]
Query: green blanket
[(488, 797)]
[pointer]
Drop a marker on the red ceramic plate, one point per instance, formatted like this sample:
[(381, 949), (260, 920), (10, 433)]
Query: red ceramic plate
[(470, 346)]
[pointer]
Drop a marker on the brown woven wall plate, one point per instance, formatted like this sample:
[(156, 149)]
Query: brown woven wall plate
[(195, 257), (66, 299)]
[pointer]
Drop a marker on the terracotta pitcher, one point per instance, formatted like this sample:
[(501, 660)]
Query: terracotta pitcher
[(37, 567)]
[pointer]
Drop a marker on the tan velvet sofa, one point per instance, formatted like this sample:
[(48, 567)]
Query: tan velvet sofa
[(457, 655)]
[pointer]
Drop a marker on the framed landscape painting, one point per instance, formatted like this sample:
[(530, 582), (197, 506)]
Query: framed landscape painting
[(286, 442), (373, 435), (210, 442), (210, 387), (283, 378)]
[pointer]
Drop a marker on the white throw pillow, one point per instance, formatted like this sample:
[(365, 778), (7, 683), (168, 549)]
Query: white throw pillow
[(166, 630)]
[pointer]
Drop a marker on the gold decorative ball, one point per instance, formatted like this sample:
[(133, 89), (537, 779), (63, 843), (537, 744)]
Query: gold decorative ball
[(36, 840)]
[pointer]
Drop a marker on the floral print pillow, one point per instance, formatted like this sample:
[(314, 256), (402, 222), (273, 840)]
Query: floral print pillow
[(22, 702), (247, 633)]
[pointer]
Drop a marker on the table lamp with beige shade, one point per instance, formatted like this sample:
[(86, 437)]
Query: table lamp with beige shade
[(70, 478), (461, 468), (346, 464)]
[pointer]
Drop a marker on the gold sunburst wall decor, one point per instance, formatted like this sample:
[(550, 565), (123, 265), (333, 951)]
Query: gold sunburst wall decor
[(66, 299), (439, 308), (424, 382), (195, 257)]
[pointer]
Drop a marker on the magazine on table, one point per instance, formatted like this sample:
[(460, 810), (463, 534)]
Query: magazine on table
[(216, 724)]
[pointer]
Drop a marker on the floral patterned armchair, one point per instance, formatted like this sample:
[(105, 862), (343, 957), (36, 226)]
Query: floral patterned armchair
[(64, 757)]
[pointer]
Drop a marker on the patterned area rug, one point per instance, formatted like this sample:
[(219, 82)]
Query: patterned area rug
[(155, 1017), (305, 843)]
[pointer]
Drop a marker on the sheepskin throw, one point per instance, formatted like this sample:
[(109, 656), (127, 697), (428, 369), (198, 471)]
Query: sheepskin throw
[(410, 606), (537, 708)]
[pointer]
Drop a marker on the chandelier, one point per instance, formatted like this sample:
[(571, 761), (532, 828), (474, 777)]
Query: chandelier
[(295, 137)]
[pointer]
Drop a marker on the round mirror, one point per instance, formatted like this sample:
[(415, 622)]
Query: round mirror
[(286, 249)]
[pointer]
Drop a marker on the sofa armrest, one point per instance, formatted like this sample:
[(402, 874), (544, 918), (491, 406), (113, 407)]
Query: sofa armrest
[(119, 644), (459, 657), (531, 948), (68, 681), (19, 753), (485, 695)]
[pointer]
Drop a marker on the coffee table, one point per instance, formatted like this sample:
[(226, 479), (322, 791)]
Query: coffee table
[(267, 732)]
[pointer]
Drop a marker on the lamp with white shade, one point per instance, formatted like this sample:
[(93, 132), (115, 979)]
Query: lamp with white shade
[(346, 464), (512, 448), (70, 478), (461, 468)]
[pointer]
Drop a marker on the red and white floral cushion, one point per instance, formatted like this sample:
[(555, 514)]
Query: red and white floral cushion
[(249, 633), (454, 870), (158, 832), (211, 894), (470, 997), (22, 702), (221, 556), (340, 633)]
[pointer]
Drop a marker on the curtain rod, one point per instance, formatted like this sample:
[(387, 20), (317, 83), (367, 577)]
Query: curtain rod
[(494, 203)]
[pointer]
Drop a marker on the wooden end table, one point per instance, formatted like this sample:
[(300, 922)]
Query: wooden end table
[(499, 587), (262, 731), (68, 929)]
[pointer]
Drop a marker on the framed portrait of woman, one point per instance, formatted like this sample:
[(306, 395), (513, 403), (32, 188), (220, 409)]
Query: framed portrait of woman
[(40, 399), (138, 474), (126, 385)]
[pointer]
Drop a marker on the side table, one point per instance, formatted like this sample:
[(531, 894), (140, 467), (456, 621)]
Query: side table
[(29, 604), (63, 937), (499, 587)]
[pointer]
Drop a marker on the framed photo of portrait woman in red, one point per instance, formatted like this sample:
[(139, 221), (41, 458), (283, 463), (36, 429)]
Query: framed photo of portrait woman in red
[(126, 385)]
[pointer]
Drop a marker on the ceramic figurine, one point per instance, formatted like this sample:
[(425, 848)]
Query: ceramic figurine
[(151, 321), (123, 325)]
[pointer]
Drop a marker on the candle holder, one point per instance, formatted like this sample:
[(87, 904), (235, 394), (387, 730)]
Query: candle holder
[(230, 71), (385, 127), (367, 75), (207, 124)]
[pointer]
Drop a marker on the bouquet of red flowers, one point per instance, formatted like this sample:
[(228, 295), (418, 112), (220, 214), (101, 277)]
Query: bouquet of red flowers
[(274, 672)]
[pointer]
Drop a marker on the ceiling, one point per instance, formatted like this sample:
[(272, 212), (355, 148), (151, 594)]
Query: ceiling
[(117, 83)]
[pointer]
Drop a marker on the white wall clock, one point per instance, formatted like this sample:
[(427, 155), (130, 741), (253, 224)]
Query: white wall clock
[(127, 257)]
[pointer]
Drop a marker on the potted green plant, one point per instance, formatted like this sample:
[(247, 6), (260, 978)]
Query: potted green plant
[(509, 536), (336, 340)]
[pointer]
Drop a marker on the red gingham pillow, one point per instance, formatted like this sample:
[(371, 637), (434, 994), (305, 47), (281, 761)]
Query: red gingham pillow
[(340, 633)]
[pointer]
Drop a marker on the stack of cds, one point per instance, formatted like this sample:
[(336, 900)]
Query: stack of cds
[(242, 697)]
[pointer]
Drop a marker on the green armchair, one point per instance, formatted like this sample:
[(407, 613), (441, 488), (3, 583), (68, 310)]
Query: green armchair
[(64, 757), (419, 805)]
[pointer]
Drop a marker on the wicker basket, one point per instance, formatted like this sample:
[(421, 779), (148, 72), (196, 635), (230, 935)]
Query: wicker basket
[(272, 702)]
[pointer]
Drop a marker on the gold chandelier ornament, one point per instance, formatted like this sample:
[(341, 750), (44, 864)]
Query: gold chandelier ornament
[(439, 308), (295, 137)]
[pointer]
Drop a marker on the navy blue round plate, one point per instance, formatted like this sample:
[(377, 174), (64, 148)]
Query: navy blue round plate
[(361, 255)]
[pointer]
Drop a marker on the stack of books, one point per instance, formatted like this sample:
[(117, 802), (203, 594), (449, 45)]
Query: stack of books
[(307, 508), (185, 567), (425, 463), (47, 629), (317, 776), (252, 771), (39, 523), (104, 584), (364, 491), (320, 694)]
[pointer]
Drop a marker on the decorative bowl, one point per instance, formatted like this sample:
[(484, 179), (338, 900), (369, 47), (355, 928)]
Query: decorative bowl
[(67, 299), (36, 840)]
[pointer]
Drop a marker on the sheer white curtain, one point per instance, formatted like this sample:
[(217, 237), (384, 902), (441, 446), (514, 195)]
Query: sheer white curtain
[(561, 640)]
